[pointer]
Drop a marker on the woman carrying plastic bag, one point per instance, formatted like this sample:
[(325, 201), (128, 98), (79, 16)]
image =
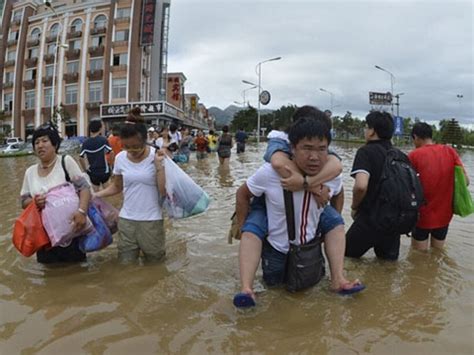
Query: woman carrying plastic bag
[(184, 197)]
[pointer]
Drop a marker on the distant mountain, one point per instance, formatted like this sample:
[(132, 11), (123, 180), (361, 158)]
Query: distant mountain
[(224, 117)]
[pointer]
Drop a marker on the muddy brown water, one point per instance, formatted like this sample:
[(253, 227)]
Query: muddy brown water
[(422, 304)]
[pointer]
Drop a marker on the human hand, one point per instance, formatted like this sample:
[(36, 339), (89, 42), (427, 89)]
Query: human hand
[(40, 201), (294, 181), (79, 221), (321, 195)]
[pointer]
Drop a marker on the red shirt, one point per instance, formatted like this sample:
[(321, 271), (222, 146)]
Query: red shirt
[(435, 164), (116, 145), (201, 144)]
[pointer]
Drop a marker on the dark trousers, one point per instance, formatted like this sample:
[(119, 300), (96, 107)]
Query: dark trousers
[(363, 235), (69, 254)]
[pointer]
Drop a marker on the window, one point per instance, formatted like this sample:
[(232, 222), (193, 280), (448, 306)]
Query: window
[(13, 36), (100, 21), (76, 44), (11, 55), (33, 53), (29, 100), (96, 63), (73, 67), (54, 30), (121, 35), (48, 97), (71, 94), (119, 88), (123, 12), (95, 91), (76, 25), (17, 15), (8, 76), (8, 102), (120, 59), (51, 48), (30, 74), (49, 70), (35, 34), (98, 41)]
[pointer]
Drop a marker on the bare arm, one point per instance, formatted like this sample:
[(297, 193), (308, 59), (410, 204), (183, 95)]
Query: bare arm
[(242, 204), (359, 190), (114, 188), (83, 163)]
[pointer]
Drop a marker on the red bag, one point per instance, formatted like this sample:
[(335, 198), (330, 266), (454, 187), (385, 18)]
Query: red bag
[(28, 233)]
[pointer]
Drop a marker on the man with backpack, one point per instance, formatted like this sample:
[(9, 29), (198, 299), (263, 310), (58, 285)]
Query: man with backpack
[(387, 193)]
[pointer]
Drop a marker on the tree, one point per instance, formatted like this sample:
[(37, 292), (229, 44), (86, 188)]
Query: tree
[(451, 132), (245, 119)]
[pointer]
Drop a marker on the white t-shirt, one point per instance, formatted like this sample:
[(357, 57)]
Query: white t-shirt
[(140, 191), (267, 181), (33, 184)]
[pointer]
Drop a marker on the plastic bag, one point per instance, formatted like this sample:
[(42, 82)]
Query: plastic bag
[(29, 234), (108, 212), (462, 201), (99, 237), (61, 204), (184, 198)]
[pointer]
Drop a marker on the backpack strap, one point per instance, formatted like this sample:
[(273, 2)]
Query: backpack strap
[(63, 163), (290, 214)]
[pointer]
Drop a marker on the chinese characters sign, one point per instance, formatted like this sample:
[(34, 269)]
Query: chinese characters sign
[(148, 22), (380, 98), (175, 88), (146, 109)]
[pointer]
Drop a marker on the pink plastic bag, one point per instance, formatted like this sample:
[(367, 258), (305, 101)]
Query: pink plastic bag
[(61, 204), (108, 212)]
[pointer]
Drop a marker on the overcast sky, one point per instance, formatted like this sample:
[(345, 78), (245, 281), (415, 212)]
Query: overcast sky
[(427, 45)]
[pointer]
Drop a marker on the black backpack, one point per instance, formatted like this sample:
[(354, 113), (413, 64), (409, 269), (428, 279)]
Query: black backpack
[(399, 196)]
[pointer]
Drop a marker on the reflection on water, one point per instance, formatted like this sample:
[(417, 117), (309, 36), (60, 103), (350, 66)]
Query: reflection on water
[(422, 304)]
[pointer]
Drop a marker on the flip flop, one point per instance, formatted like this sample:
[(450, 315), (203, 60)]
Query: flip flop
[(243, 300), (350, 291)]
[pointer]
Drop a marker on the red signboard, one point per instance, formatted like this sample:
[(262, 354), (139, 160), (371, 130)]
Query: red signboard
[(148, 22)]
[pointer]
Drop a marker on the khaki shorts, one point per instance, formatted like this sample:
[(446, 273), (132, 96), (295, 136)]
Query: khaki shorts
[(147, 236)]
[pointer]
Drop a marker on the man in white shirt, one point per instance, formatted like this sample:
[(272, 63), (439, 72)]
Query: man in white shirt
[(309, 139)]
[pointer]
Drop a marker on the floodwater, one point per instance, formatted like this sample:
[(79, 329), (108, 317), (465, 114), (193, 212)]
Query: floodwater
[(422, 304)]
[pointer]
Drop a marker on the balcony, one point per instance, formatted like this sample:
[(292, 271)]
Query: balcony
[(33, 42), (98, 30), (96, 51), (48, 81), (118, 68), (31, 62), (28, 113), (29, 84), (48, 58), (93, 105), (122, 20), (51, 38), (95, 74), (9, 63), (73, 54), (8, 85), (71, 77), (12, 42), (116, 44), (74, 34)]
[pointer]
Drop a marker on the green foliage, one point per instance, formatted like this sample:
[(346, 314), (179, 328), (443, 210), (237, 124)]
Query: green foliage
[(245, 119)]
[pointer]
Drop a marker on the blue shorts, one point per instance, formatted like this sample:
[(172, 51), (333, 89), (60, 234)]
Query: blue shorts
[(257, 223)]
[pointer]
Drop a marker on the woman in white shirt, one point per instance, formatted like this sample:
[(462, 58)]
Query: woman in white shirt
[(49, 173), (139, 173)]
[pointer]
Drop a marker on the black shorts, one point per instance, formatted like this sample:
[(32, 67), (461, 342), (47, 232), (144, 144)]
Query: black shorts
[(421, 234), (69, 254), (98, 179)]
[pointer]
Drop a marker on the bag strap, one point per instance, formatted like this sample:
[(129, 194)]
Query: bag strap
[(290, 214), (63, 163)]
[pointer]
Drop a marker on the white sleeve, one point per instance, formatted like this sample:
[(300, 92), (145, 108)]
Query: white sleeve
[(72, 167), (258, 182), (335, 185), (25, 188), (118, 164)]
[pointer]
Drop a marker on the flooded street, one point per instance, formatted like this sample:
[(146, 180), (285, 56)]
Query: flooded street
[(422, 304)]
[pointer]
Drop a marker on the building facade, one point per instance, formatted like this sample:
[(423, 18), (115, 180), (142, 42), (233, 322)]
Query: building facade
[(77, 60)]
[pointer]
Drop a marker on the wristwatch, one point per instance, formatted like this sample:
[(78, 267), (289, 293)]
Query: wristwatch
[(305, 183)]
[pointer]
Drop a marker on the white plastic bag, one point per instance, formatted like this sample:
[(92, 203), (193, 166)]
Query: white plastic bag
[(184, 198)]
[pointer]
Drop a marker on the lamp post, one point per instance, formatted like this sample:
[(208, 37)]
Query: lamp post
[(459, 96), (397, 96), (244, 91), (392, 79), (332, 97)]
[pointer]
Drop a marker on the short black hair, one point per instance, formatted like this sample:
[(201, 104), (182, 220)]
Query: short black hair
[(211, 132), (134, 126), (225, 129), (381, 123), (308, 127), (422, 130), (95, 126), (173, 127), (47, 129), (313, 112), (116, 129)]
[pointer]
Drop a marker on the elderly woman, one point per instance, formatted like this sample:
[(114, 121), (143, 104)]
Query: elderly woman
[(47, 174)]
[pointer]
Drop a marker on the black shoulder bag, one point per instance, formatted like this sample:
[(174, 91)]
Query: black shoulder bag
[(304, 263)]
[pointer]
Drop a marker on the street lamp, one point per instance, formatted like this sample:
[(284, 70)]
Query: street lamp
[(244, 91), (258, 70), (397, 96), (459, 96), (332, 97), (392, 79)]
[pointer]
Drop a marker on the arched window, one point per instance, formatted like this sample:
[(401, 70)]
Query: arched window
[(54, 30), (76, 25), (35, 34), (100, 21)]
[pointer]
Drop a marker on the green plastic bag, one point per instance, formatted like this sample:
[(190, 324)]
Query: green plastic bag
[(462, 201)]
